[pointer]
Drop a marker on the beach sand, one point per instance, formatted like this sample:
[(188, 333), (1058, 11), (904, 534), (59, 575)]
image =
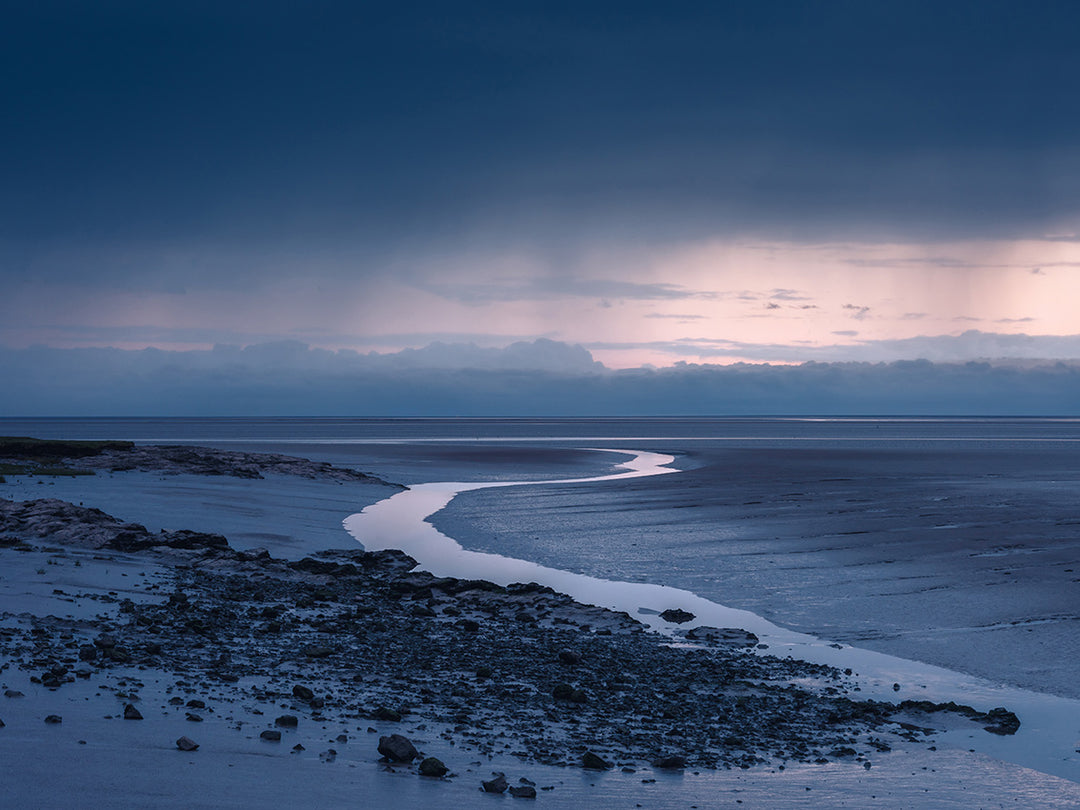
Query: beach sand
[(134, 764), (969, 559)]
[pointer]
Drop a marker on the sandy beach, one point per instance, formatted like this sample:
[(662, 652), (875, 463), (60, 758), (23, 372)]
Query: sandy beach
[(92, 587)]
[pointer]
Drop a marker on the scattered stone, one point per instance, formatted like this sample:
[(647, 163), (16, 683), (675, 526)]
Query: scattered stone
[(677, 616), (1001, 721), (523, 792), (433, 767), (287, 721), (723, 635), (302, 693), (569, 657), (53, 719), (397, 748), (670, 762), (192, 717), (562, 691), (13, 693), (131, 713), (594, 762), (187, 744), (496, 785), (387, 715), (270, 735)]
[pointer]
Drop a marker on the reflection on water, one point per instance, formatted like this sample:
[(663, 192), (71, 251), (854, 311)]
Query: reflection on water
[(1050, 731)]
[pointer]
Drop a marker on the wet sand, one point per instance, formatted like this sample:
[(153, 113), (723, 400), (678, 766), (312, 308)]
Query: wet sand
[(966, 557)]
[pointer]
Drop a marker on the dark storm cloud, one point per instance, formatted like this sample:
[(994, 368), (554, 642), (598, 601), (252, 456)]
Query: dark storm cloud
[(543, 378), (336, 124)]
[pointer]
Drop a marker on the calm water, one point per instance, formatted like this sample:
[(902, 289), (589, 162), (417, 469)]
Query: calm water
[(778, 431)]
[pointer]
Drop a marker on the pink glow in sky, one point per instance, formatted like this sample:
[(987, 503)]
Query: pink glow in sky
[(717, 301)]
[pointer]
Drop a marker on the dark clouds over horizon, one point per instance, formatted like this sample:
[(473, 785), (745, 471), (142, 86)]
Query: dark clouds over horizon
[(541, 378), (230, 123)]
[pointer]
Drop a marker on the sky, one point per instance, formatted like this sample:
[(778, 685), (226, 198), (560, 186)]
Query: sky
[(696, 182)]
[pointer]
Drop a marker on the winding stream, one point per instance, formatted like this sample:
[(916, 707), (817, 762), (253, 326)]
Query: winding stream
[(1048, 738)]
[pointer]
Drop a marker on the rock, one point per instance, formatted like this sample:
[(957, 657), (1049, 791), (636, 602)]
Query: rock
[(194, 718), (13, 693), (397, 748), (1001, 721), (523, 792), (387, 715), (433, 767), (671, 762), (270, 735), (287, 721), (496, 785), (569, 657), (677, 616), (722, 635), (594, 762), (53, 719), (131, 713), (187, 744), (195, 704), (317, 651), (562, 691), (1, 723), (87, 652), (302, 692), (468, 625)]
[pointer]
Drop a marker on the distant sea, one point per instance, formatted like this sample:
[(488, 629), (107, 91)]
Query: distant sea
[(749, 430)]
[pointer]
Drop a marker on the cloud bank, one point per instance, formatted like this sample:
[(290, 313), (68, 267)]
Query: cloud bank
[(543, 378)]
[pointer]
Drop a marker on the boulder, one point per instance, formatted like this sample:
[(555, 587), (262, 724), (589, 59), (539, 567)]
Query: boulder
[(131, 713), (523, 792), (187, 744), (569, 657), (594, 762), (677, 616), (270, 735), (1001, 721), (497, 784), (397, 748), (671, 762), (287, 721), (433, 767)]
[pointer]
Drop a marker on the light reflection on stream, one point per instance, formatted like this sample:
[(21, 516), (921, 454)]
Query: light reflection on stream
[(1050, 730)]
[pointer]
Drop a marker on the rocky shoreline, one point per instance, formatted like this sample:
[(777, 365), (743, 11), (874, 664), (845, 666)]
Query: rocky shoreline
[(28, 456), (358, 637)]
